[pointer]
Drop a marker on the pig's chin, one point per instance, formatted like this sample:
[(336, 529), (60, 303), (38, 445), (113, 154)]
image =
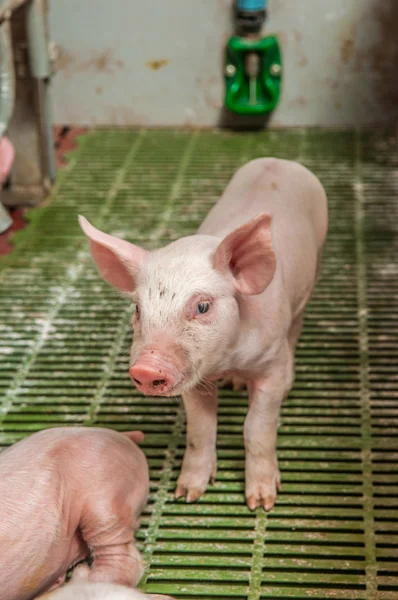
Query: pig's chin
[(188, 382)]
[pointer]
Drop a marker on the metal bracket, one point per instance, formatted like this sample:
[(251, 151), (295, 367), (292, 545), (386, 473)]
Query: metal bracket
[(30, 128)]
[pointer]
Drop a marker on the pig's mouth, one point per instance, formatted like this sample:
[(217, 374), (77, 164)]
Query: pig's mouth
[(158, 387)]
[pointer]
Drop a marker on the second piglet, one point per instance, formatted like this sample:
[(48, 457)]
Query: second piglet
[(100, 591), (65, 493), (81, 589), (226, 302)]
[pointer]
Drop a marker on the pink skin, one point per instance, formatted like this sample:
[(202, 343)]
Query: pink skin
[(7, 154), (63, 491), (81, 589), (154, 373), (158, 370), (226, 303)]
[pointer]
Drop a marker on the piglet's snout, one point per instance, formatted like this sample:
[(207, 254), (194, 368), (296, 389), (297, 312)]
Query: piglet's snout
[(154, 375), (151, 380)]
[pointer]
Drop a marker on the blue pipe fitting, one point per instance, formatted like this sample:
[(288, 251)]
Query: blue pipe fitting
[(250, 16), (251, 5)]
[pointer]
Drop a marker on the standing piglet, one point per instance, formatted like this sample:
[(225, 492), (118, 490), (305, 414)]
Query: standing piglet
[(63, 493), (227, 302)]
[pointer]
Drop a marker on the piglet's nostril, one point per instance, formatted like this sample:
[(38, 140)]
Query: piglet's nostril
[(152, 378)]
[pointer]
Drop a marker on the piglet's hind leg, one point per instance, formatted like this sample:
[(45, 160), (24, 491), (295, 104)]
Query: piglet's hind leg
[(116, 558)]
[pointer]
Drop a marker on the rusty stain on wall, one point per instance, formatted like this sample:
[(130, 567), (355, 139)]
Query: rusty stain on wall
[(64, 59), (123, 116), (347, 50), (347, 45), (380, 58), (298, 102), (383, 57), (101, 62), (157, 64)]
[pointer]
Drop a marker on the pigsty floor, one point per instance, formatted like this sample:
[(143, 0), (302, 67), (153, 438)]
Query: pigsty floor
[(64, 339)]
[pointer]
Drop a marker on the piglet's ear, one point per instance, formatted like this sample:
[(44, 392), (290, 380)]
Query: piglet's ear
[(116, 260), (247, 252), (136, 436)]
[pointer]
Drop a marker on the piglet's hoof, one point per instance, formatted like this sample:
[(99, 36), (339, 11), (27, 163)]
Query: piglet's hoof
[(262, 490), (191, 485)]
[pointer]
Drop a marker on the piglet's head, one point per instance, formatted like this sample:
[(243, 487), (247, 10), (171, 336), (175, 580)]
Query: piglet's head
[(187, 299)]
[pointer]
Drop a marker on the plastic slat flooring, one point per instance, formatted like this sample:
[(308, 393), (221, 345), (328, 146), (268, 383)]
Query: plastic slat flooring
[(64, 356)]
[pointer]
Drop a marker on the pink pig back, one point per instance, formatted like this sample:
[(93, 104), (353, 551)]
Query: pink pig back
[(297, 203), (50, 483)]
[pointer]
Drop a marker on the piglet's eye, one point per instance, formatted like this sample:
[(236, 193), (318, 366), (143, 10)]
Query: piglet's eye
[(137, 311), (202, 308)]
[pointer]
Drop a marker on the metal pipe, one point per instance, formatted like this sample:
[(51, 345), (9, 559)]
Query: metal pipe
[(250, 16), (41, 70), (7, 97), (7, 77), (8, 7), (39, 58), (5, 219)]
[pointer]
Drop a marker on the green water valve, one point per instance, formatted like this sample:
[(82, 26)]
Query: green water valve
[(253, 73)]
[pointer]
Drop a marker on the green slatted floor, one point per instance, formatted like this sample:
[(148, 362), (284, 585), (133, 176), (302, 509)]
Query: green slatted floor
[(64, 356)]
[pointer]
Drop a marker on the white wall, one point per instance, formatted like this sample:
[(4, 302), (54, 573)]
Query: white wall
[(340, 61)]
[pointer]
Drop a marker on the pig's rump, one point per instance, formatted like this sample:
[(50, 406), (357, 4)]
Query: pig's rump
[(287, 190)]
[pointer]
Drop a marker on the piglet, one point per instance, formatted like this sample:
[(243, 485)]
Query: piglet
[(99, 591), (64, 493), (80, 589), (227, 302)]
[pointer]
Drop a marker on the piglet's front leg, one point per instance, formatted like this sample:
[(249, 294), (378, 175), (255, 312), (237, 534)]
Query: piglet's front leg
[(260, 433), (200, 460)]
